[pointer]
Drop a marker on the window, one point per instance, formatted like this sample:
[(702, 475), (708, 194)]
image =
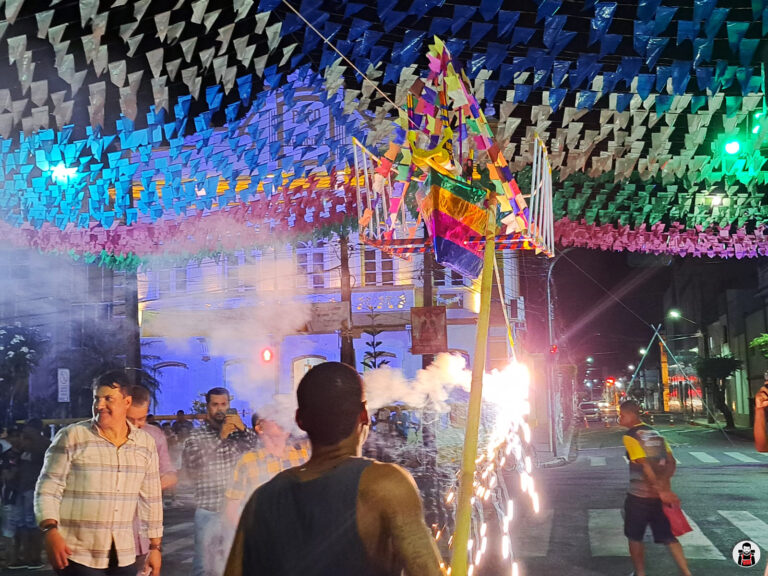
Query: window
[(233, 273), (310, 265), (302, 365), (379, 268), (446, 277), (181, 279), (164, 281)]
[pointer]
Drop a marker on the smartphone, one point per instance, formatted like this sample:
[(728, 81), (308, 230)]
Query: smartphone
[(232, 411)]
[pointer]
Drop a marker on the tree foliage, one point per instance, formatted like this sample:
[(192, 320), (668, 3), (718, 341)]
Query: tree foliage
[(713, 371), (761, 344), (21, 348), (374, 357)]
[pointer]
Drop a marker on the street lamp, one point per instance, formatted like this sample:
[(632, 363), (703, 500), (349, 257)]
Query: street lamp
[(643, 351), (590, 360), (677, 315), (630, 367)]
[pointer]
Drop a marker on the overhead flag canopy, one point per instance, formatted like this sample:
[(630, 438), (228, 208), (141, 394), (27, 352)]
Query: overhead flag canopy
[(130, 127)]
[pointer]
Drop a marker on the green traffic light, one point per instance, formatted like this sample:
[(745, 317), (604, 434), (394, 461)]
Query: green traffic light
[(732, 147)]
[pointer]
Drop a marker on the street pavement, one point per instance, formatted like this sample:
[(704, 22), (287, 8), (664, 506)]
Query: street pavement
[(579, 528)]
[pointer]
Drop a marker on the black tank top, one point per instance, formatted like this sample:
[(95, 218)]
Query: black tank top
[(295, 528)]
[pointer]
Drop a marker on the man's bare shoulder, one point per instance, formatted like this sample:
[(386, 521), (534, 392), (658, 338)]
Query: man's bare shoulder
[(387, 480)]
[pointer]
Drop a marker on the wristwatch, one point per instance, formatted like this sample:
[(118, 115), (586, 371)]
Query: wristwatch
[(157, 547), (45, 528)]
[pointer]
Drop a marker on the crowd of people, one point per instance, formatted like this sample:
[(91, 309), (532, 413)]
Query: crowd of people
[(93, 497)]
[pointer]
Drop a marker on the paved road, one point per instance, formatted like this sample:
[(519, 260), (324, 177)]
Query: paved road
[(578, 531)]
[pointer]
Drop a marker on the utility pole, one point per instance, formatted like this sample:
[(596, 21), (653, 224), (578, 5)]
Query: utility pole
[(347, 353), (429, 265), (133, 330)]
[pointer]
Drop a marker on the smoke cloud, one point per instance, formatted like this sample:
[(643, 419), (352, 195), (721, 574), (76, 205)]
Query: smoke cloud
[(386, 385), (244, 324)]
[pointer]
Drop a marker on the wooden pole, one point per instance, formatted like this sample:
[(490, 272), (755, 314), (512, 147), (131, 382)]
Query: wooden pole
[(460, 560)]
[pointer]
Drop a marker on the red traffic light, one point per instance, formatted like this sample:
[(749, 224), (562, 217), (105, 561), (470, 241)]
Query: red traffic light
[(553, 349), (267, 355)]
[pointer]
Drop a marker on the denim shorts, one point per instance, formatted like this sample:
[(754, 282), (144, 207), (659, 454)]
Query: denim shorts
[(639, 513)]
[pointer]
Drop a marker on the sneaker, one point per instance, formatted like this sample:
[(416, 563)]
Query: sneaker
[(17, 566), (35, 565)]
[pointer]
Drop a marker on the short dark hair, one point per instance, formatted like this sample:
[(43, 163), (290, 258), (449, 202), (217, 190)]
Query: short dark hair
[(179, 412), (140, 395), (632, 406), (330, 398), (114, 379), (218, 391), (255, 419)]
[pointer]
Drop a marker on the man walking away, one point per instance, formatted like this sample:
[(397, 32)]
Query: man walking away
[(651, 467), (209, 458), (96, 473), (339, 514)]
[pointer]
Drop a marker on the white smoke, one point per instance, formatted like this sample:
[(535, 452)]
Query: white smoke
[(386, 385), (243, 325)]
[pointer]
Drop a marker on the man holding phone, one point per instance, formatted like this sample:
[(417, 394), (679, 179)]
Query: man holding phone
[(209, 458)]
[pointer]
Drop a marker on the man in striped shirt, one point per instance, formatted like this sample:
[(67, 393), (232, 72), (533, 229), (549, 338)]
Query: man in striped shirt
[(96, 473)]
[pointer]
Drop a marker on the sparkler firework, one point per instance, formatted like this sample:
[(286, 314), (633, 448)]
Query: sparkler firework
[(504, 478)]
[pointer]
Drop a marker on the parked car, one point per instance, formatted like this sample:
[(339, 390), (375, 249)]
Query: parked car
[(590, 411)]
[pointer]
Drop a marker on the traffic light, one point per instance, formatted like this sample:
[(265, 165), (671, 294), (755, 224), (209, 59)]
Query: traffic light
[(267, 355), (553, 349), (610, 382)]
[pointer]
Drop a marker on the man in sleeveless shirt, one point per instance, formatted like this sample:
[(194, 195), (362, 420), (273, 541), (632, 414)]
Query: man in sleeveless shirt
[(651, 466), (338, 514)]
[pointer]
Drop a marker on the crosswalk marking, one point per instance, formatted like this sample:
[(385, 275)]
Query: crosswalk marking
[(704, 457), (597, 460), (606, 535), (741, 457), (753, 527), (697, 546)]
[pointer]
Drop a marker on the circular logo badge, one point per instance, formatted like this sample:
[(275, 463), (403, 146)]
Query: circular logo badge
[(746, 554)]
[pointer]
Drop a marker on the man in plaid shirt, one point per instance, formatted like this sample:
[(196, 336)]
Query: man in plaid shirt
[(277, 451), (209, 458), (96, 475)]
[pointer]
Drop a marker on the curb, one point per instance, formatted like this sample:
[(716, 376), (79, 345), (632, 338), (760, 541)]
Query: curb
[(567, 447)]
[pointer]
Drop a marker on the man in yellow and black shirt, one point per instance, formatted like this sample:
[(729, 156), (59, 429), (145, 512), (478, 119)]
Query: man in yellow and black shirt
[(651, 466)]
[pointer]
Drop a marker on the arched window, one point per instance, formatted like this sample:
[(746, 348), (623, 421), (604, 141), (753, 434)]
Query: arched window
[(302, 365)]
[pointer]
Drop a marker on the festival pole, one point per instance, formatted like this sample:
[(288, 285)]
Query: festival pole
[(460, 560)]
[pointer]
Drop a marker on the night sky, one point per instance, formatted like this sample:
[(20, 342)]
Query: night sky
[(588, 321)]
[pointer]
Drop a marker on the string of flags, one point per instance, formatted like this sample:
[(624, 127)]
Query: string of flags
[(209, 107)]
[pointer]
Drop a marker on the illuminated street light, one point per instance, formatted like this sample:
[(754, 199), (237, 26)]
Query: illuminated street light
[(590, 359), (630, 367), (62, 174), (732, 147), (643, 351), (677, 315)]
